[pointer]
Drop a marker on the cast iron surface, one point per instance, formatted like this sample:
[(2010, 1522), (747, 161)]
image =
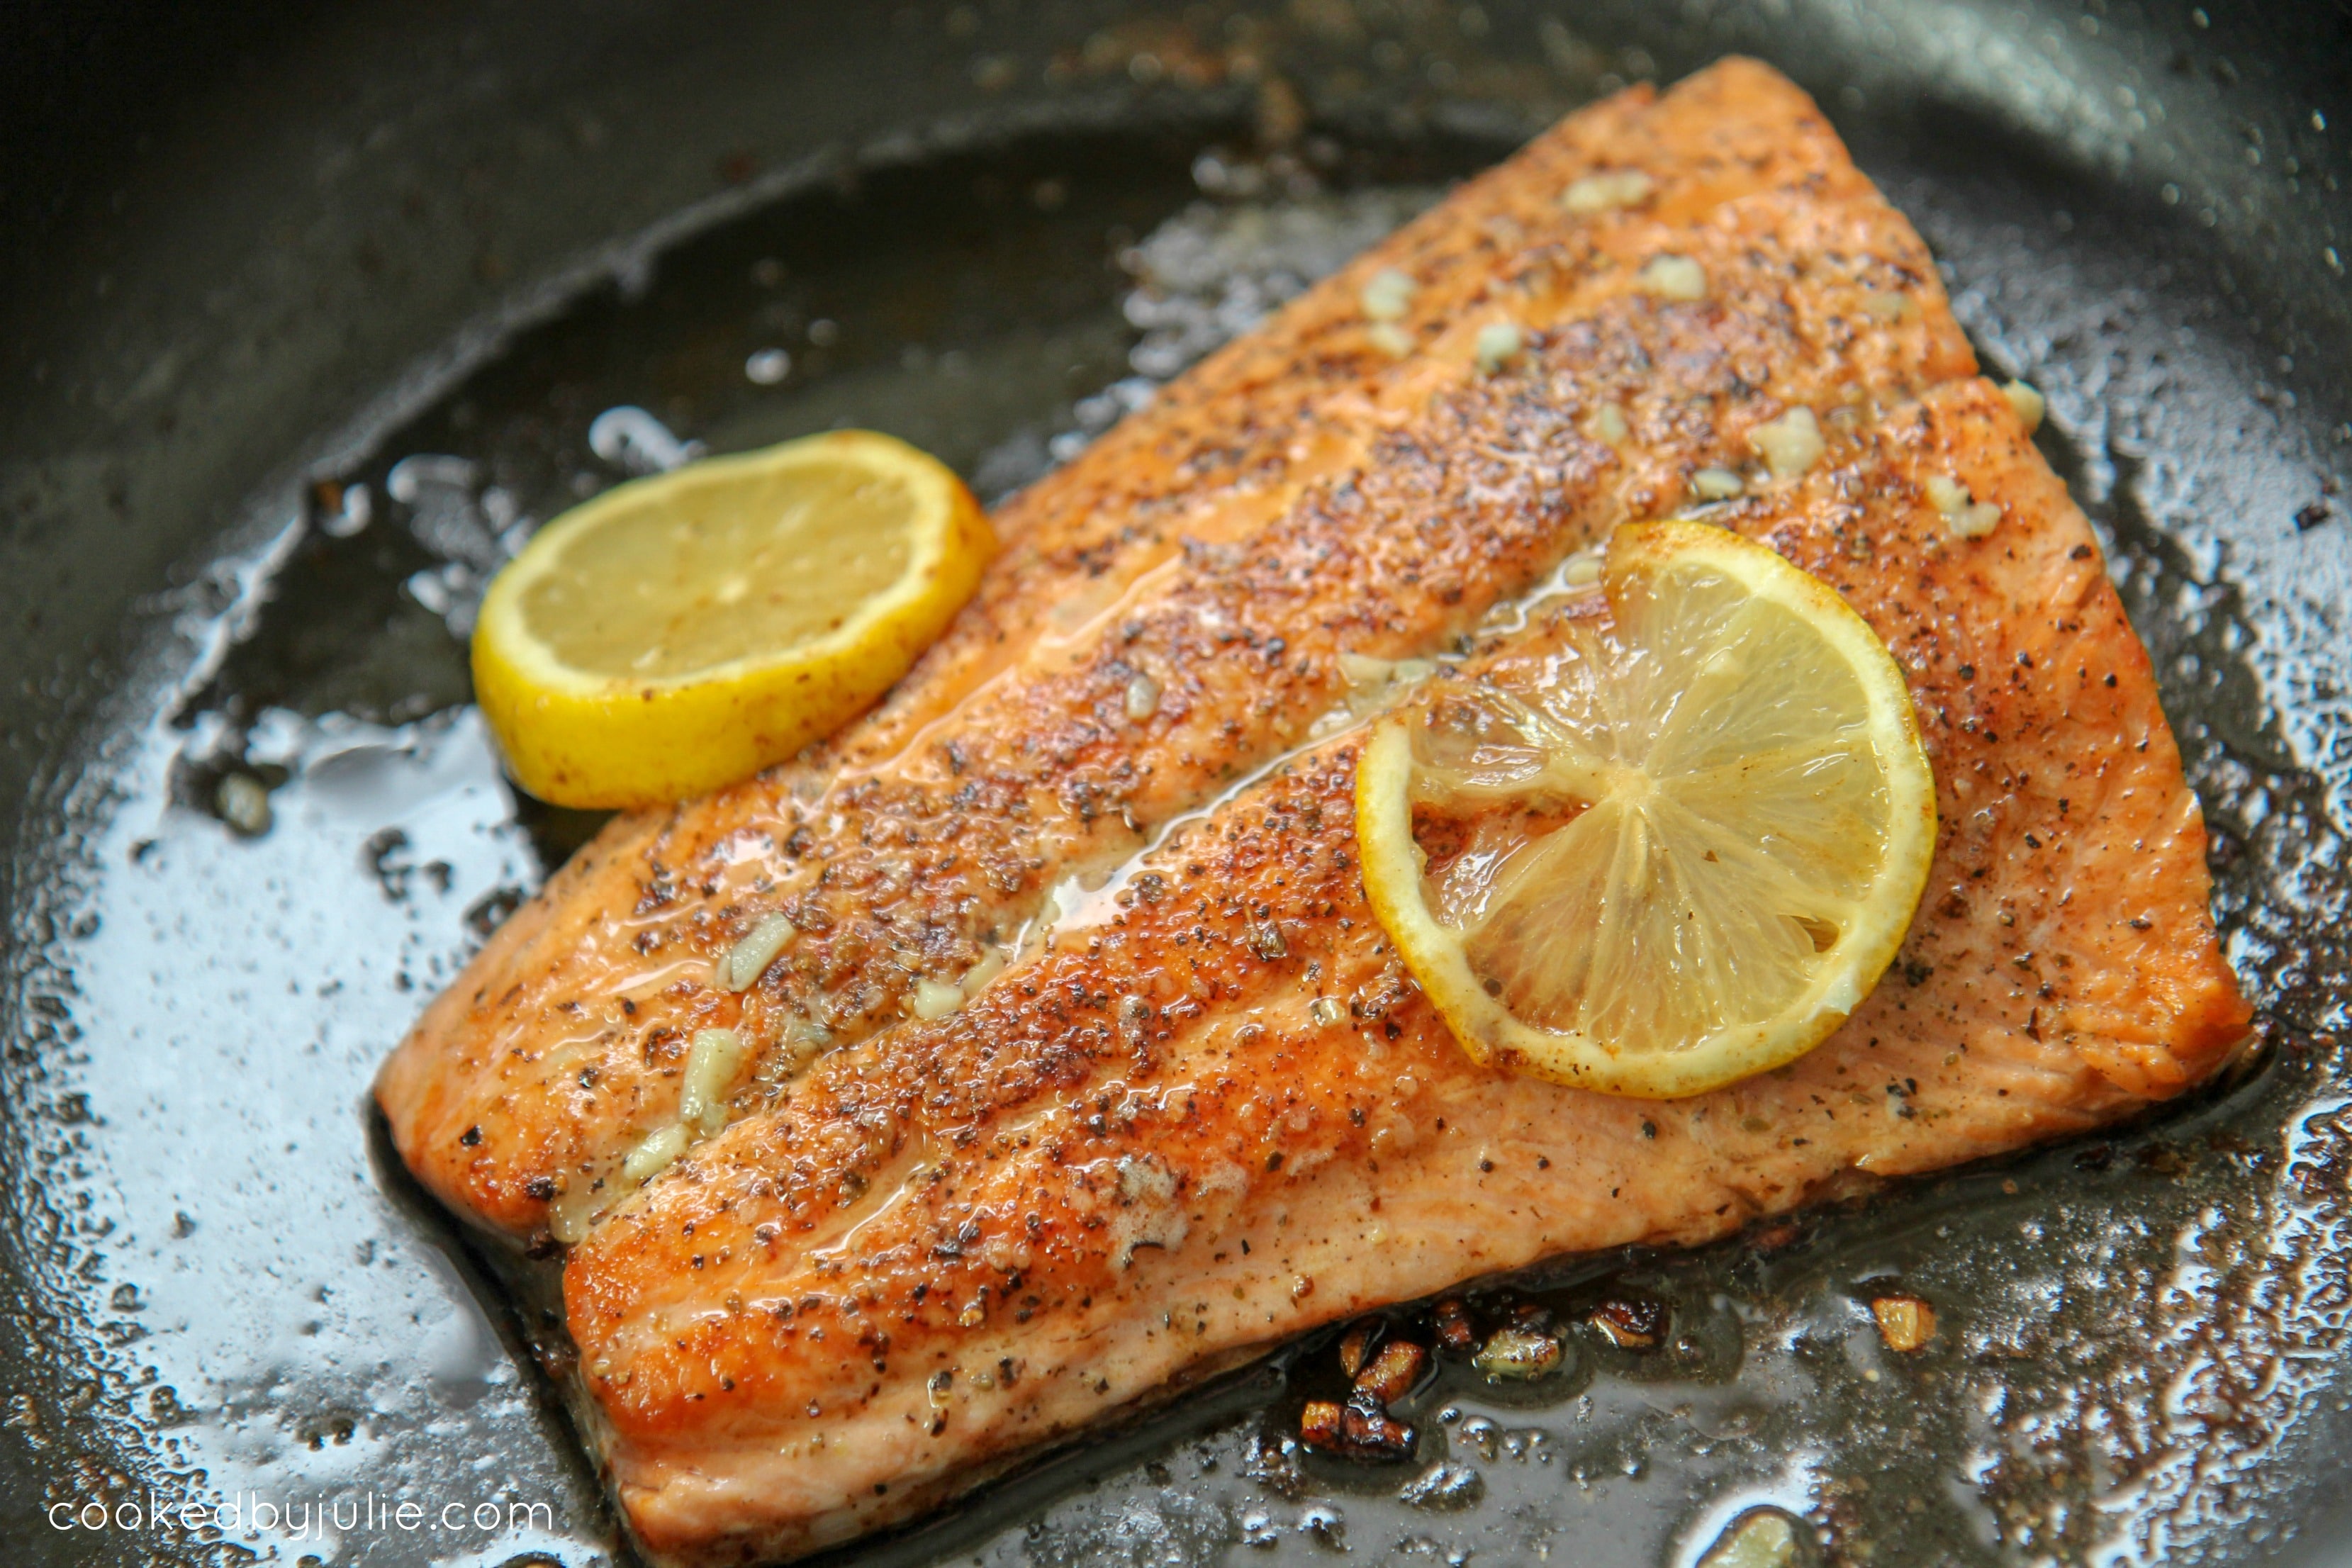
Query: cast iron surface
[(255, 259)]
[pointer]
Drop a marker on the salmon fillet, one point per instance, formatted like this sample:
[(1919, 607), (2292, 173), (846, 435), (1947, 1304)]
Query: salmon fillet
[(1180, 604), (1143, 1151)]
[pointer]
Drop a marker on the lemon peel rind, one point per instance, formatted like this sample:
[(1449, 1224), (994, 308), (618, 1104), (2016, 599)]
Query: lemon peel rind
[(618, 742), (1491, 1035)]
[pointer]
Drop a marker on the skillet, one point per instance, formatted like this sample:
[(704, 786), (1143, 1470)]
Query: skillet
[(257, 256)]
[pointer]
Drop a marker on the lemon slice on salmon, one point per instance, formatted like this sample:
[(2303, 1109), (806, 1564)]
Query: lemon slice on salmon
[(681, 632), (1674, 845)]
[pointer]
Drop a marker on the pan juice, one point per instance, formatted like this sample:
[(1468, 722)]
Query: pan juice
[(313, 834)]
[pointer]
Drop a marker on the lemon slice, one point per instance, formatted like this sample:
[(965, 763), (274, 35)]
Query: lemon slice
[(684, 631), (1670, 848)]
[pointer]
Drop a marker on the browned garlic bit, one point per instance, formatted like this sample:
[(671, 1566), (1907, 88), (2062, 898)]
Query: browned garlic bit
[(1630, 1323), (1358, 1429), (1390, 1375), (1318, 1423), (1356, 1346), (1363, 1427), (1905, 1322), (1454, 1330)]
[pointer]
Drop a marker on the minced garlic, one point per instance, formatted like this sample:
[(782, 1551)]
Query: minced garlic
[(1604, 192), (749, 959), (976, 979), (651, 1157), (1674, 278), (936, 999), (1761, 1538), (1388, 295), (1715, 484), (1517, 1354), (1789, 444), (1963, 513), (1498, 344), (1905, 1322), (2029, 403), (710, 1066)]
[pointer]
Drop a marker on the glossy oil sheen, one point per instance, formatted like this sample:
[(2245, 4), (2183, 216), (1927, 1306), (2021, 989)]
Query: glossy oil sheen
[(219, 1282)]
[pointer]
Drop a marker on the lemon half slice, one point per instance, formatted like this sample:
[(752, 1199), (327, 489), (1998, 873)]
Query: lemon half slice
[(684, 631), (1674, 846)]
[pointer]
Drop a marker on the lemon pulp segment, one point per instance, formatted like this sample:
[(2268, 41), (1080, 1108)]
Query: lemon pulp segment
[(1675, 847), (731, 569)]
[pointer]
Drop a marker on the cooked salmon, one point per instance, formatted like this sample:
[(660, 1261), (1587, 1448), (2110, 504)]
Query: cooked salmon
[(1184, 602), (1148, 1151), (1211, 1110)]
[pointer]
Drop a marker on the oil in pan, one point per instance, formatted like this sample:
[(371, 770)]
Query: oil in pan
[(2093, 1350)]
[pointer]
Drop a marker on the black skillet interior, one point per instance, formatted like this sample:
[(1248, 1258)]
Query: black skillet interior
[(254, 256)]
